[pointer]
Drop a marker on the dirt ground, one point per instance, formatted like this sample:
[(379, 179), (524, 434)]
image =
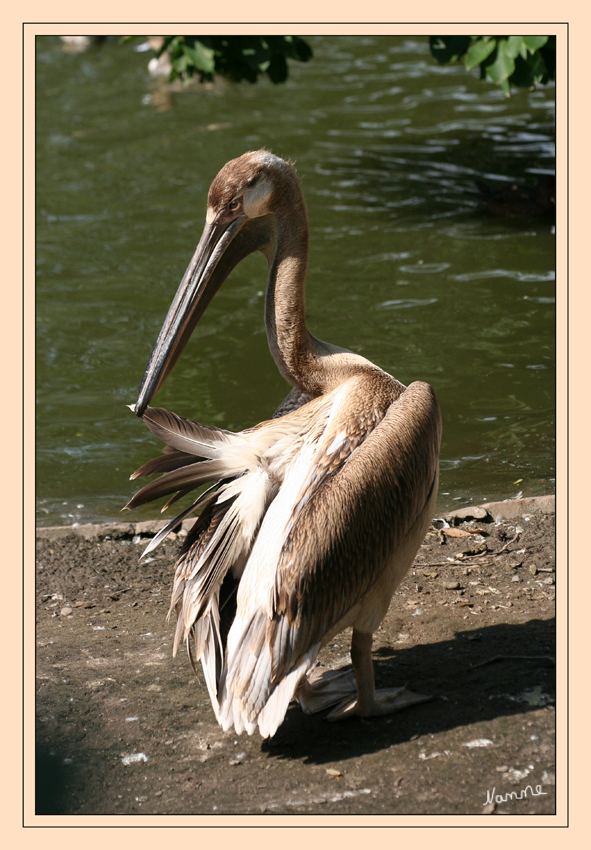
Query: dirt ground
[(123, 728)]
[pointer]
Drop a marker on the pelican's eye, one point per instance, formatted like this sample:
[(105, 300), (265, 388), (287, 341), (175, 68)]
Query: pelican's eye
[(233, 205)]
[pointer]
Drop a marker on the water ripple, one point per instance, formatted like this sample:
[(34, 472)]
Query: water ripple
[(513, 274), (402, 303)]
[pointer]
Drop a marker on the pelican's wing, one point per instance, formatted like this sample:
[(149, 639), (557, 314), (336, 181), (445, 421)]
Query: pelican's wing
[(166, 462), (220, 542), (295, 399), (360, 499), (380, 492), (194, 455)]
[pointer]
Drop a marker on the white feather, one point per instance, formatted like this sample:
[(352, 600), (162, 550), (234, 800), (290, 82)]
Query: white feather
[(247, 697), (273, 712), (336, 444)]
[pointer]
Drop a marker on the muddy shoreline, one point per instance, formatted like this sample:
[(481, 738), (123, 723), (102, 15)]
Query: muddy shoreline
[(123, 728)]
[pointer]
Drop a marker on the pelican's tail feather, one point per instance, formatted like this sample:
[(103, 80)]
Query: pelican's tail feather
[(187, 436), (251, 694), (220, 541), (172, 459), (194, 455), (187, 478), (246, 472)]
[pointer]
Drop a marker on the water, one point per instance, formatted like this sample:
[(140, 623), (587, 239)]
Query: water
[(404, 267)]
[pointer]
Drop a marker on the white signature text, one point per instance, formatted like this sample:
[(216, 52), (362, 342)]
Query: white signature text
[(491, 797)]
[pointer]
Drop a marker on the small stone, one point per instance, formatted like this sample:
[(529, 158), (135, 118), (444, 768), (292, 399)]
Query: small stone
[(479, 742), (134, 758), (474, 512), (451, 585), (66, 612), (515, 578), (332, 771), (533, 569)]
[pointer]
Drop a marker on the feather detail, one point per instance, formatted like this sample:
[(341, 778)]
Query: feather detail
[(185, 479), (174, 523), (187, 436), (172, 459)]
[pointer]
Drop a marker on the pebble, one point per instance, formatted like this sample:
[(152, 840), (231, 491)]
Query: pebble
[(474, 512), (479, 742), (66, 612), (451, 585), (134, 758)]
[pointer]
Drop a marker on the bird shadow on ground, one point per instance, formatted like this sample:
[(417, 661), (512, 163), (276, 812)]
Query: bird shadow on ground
[(481, 675)]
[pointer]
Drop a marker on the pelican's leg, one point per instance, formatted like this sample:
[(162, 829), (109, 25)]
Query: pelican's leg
[(369, 702)]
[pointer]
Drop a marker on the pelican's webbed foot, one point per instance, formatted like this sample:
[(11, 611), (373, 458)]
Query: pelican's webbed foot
[(353, 691), (386, 701), (322, 688)]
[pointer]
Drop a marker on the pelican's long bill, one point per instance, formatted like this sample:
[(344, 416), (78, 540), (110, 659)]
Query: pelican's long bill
[(197, 288)]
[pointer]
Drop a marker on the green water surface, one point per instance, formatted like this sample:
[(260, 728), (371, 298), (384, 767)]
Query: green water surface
[(405, 266)]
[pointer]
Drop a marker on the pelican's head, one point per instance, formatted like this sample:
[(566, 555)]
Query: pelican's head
[(241, 218), (248, 186)]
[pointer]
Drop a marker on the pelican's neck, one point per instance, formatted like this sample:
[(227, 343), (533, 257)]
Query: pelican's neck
[(296, 352)]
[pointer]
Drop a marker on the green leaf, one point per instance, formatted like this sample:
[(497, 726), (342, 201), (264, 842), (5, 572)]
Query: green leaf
[(236, 57), (171, 44), (513, 46), (502, 66), (277, 69), (548, 54), (506, 60), (255, 51), (480, 50), (522, 75), (302, 50), (180, 63), (530, 71), (202, 57), (449, 48), (537, 68), (534, 42)]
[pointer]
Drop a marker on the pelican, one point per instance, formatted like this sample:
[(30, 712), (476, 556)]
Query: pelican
[(313, 517)]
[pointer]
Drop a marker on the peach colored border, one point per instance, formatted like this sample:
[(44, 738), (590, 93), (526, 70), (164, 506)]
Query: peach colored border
[(14, 745)]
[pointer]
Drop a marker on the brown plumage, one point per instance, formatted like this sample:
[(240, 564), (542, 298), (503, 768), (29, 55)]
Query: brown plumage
[(313, 517)]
